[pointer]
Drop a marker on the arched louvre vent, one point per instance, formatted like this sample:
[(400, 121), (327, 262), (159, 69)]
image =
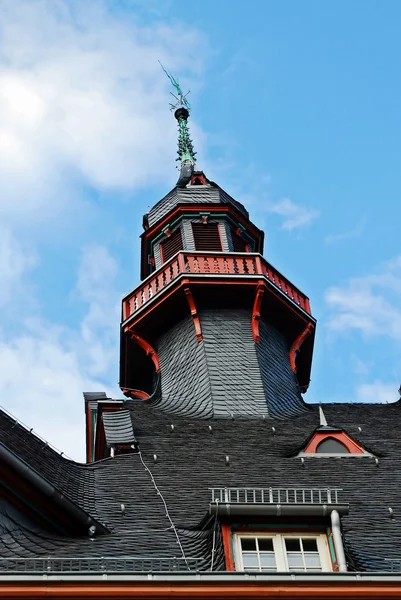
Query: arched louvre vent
[(171, 245), (207, 237), (331, 446), (239, 244)]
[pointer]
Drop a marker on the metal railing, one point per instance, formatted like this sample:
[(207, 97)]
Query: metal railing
[(239, 264), (272, 495), (100, 565), (138, 565)]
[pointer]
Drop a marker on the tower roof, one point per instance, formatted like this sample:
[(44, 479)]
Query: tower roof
[(208, 193)]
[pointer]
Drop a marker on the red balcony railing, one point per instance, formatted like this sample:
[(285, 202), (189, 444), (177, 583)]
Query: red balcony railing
[(210, 264)]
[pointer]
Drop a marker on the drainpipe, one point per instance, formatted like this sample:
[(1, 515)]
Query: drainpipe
[(338, 541)]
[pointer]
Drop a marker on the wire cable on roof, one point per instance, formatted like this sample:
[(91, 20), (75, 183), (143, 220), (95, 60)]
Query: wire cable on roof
[(165, 507)]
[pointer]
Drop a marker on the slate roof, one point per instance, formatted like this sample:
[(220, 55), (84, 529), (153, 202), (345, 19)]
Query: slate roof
[(190, 458), (74, 480), (195, 194)]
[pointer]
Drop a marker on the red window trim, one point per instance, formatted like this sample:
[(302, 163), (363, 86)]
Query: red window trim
[(340, 436), (227, 535)]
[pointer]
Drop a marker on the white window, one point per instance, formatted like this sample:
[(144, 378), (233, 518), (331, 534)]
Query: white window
[(279, 552)]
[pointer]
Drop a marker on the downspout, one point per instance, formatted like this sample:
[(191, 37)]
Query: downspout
[(338, 541)]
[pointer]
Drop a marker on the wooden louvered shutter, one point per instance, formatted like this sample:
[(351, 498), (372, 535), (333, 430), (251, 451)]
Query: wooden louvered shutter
[(207, 237), (171, 245), (239, 244)]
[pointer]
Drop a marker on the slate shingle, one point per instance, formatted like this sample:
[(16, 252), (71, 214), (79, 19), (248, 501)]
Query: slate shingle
[(191, 458)]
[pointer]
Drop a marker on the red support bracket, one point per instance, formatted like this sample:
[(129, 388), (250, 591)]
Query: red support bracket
[(257, 303), (194, 313), (297, 345), (135, 393), (150, 351)]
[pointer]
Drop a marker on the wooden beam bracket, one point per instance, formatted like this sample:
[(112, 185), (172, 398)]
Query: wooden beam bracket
[(135, 394), (150, 351), (194, 313), (260, 290), (296, 346)]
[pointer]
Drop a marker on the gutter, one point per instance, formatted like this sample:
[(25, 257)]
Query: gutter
[(278, 510), (72, 510)]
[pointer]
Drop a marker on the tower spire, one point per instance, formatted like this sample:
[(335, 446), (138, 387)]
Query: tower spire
[(181, 108)]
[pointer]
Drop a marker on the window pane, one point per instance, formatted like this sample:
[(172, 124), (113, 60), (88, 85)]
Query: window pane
[(267, 560), (250, 560), (265, 545), (292, 544), (295, 560), (248, 544), (312, 560), (309, 544)]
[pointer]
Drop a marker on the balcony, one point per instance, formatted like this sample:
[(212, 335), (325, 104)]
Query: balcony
[(209, 266)]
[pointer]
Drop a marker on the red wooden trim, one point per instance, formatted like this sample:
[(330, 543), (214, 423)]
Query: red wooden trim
[(201, 178), (343, 438), (228, 553), (100, 441), (240, 280), (192, 307), (89, 434), (260, 290), (135, 393), (297, 345), (150, 351)]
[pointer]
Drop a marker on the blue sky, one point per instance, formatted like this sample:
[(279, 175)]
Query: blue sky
[(296, 113)]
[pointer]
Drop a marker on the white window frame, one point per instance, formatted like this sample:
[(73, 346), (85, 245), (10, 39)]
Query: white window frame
[(280, 552)]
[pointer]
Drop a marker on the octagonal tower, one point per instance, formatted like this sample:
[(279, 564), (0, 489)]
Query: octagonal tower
[(213, 330)]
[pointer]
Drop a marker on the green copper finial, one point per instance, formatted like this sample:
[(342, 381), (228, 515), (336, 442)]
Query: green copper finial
[(186, 154)]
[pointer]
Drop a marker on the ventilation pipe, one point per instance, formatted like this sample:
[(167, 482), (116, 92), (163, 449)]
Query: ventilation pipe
[(338, 541)]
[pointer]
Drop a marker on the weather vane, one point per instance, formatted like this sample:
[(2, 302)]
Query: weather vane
[(180, 97)]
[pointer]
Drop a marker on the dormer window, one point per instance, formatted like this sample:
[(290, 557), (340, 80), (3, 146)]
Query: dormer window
[(282, 553), (329, 441)]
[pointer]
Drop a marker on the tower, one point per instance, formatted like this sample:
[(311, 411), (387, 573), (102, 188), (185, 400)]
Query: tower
[(213, 329)]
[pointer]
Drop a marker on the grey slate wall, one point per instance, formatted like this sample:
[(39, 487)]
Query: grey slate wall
[(282, 393), (185, 388), (234, 371), (227, 373)]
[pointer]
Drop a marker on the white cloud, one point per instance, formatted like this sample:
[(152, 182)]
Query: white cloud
[(378, 391), (99, 327), (14, 261), (82, 95), (45, 369), (294, 215), (83, 102), (370, 304), (333, 238)]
